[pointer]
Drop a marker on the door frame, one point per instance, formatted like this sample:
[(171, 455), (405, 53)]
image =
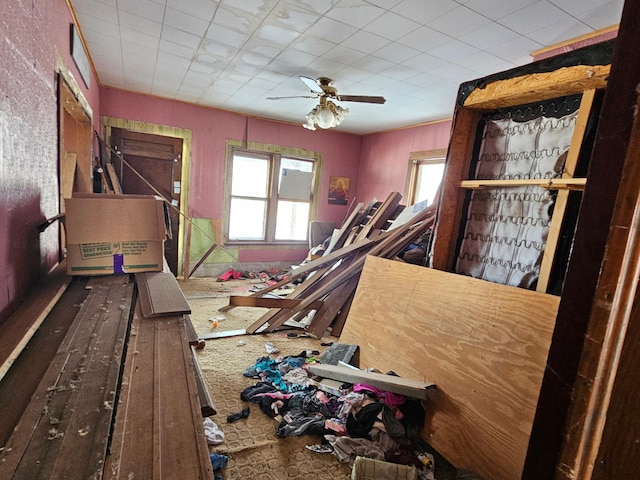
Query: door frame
[(185, 134)]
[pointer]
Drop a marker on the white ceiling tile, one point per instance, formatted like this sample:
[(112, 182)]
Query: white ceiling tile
[(386, 4), (453, 50), (196, 80), (203, 9), (223, 35), (424, 62), (342, 54), (257, 8), (364, 41), (318, 6), (355, 12), (484, 63), (174, 48), (496, 9), (141, 24), (100, 10), (322, 67), (133, 40), (185, 22), (313, 45), (179, 37), (534, 17), (90, 25), (296, 56), (392, 26), (489, 37), (513, 50), (166, 60), (424, 11), (458, 20), (397, 53), (454, 73), (290, 16), (373, 64), (605, 14), (331, 30), (236, 19), (424, 39), (277, 34), (557, 32), (584, 7), (224, 52), (399, 72), (143, 8)]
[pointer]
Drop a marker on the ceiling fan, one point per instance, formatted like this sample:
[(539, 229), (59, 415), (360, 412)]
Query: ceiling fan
[(322, 87), (327, 114)]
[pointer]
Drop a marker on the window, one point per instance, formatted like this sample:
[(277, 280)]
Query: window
[(425, 175), (270, 195)]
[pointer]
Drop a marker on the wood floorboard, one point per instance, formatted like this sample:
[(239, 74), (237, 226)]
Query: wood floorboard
[(22, 379)]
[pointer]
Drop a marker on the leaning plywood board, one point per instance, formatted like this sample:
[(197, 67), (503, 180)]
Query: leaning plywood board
[(160, 295), (485, 345)]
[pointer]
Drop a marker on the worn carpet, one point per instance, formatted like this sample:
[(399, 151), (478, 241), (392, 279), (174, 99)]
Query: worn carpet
[(251, 444)]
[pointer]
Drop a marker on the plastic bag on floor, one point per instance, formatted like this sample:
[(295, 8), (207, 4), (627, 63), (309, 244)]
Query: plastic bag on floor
[(212, 432)]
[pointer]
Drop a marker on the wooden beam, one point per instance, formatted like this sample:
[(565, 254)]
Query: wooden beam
[(562, 198), (549, 183), (389, 383), (18, 329), (536, 87), (268, 302)]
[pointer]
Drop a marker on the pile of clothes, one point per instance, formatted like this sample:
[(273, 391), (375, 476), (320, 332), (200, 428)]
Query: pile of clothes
[(361, 420)]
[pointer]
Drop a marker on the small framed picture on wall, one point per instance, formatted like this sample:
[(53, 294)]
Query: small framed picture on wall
[(339, 190)]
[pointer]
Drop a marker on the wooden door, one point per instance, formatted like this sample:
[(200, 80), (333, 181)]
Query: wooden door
[(157, 161)]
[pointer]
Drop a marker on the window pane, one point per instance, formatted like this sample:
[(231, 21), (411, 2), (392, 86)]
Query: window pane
[(429, 178), (250, 176), (292, 220), (247, 219), (295, 179)]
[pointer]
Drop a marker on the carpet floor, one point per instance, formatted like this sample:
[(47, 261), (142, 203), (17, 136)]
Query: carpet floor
[(251, 444)]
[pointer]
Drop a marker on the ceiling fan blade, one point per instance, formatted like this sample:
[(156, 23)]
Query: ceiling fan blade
[(312, 84), (360, 98), (293, 96)]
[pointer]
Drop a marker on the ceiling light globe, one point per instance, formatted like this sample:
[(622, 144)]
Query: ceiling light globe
[(325, 118)]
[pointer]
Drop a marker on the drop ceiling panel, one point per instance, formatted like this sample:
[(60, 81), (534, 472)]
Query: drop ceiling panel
[(234, 53)]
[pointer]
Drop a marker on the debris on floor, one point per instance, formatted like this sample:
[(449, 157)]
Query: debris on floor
[(349, 420)]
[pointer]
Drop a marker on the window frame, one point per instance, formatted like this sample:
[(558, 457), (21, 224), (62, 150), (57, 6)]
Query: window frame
[(274, 154), (417, 159)]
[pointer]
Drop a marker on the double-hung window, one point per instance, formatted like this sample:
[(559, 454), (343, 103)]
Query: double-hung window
[(270, 195)]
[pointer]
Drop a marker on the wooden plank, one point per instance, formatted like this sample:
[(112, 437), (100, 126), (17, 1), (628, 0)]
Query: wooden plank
[(389, 383), (331, 305), (310, 267), (159, 412), (67, 176), (486, 350), (160, 295), (536, 87), (338, 239), (113, 178), (207, 408), (562, 198), (268, 302), (223, 334), (64, 430), (550, 183), (192, 336), (452, 199), (18, 329), (380, 217)]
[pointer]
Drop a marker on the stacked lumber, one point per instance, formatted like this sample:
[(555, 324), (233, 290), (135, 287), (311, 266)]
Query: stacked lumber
[(329, 282)]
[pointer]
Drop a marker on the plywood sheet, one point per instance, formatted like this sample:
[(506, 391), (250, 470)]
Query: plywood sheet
[(485, 345)]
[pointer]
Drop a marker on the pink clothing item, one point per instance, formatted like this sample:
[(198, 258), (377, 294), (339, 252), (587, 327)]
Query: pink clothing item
[(391, 399)]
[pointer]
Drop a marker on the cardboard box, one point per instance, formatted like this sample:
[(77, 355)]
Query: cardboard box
[(113, 234), (370, 469)]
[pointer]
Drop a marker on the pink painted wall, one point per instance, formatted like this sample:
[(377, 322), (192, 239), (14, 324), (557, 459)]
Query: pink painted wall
[(384, 162), (31, 34), (210, 130)]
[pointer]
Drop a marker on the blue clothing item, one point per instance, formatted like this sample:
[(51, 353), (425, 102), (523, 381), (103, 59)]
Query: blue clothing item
[(218, 462)]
